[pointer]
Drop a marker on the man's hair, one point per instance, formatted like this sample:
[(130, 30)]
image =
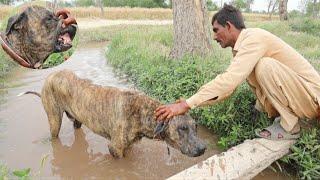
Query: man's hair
[(231, 14)]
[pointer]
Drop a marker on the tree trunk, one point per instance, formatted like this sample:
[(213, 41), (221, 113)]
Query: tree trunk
[(243, 161), (191, 30), (100, 4), (283, 13), (315, 9), (273, 8), (269, 6)]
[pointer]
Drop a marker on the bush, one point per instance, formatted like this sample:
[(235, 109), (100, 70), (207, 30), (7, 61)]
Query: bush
[(307, 25)]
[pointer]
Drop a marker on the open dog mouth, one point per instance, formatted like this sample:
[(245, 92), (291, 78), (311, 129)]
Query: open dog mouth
[(64, 39), (66, 35)]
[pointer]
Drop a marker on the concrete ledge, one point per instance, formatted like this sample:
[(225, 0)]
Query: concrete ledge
[(240, 162)]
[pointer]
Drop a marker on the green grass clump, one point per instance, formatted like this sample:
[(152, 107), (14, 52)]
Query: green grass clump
[(307, 25)]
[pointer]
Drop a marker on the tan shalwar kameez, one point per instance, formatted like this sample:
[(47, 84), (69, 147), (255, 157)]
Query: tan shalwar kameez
[(284, 82)]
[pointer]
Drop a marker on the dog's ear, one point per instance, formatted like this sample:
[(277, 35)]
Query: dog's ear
[(160, 128), (15, 22)]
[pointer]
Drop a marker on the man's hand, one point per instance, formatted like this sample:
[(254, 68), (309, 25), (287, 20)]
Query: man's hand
[(165, 112), (62, 13)]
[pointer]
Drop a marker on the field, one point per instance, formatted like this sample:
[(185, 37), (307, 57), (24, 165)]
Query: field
[(131, 13)]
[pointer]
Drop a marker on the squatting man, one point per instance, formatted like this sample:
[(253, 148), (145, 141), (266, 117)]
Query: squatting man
[(286, 85)]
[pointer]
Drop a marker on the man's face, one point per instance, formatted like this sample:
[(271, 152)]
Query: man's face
[(221, 34)]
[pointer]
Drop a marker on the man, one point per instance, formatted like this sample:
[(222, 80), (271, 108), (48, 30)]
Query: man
[(285, 83)]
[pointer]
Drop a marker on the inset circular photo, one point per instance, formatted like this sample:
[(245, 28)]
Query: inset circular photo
[(38, 35)]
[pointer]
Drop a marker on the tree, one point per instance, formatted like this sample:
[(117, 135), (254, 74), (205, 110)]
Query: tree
[(248, 5), (310, 7), (212, 6), (283, 13), (315, 9), (303, 5), (272, 5), (6, 2), (240, 4), (191, 30), (100, 4)]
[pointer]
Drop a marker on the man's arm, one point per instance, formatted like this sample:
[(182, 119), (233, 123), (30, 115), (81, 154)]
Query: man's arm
[(251, 50), (249, 53)]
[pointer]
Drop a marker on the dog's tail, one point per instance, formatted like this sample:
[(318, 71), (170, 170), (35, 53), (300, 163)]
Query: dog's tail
[(30, 92)]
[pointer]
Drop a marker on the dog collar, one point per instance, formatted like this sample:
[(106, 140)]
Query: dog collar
[(7, 48)]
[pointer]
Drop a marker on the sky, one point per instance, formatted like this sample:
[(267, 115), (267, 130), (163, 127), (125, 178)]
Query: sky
[(260, 5)]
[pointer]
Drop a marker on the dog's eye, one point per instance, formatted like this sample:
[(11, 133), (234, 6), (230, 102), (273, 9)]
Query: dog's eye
[(49, 18), (183, 128)]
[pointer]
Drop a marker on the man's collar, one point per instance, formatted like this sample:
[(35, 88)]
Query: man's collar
[(239, 40)]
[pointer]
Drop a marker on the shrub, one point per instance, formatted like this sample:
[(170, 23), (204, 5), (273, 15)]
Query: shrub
[(308, 25)]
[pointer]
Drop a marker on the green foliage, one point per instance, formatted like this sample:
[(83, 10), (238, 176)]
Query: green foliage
[(306, 154), (311, 7), (295, 14), (58, 58), (22, 174), (84, 2), (5, 2), (307, 25), (4, 171), (234, 119), (212, 6), (240, 4)]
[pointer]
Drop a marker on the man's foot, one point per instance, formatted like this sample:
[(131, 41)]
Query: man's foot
[(276, 132)]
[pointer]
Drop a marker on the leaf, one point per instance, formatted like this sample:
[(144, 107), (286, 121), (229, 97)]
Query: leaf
[(22, 173)]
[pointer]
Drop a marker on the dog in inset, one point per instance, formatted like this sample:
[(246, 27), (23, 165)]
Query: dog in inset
[(35, 33), (123, 116)]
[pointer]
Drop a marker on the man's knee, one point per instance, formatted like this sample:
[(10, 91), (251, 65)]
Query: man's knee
[(265, 67)]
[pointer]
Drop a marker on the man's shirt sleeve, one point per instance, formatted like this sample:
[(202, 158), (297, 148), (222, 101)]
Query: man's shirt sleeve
[(250, 51)]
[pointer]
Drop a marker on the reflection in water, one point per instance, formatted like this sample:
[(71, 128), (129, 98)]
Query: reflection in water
[(66, 160)]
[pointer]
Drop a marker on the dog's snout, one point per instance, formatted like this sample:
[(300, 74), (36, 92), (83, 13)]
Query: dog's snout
[(201, 149)]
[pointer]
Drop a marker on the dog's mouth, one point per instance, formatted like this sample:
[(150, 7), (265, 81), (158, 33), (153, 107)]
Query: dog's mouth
[(65, 38)]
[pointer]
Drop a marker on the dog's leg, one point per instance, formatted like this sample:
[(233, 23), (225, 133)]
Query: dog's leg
[(116, 150), (118, 145), (55, 121), (54, 114), (76, 124)]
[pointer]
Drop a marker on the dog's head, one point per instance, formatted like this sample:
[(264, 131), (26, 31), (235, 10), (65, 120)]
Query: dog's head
[(181, 134), (36, 33)]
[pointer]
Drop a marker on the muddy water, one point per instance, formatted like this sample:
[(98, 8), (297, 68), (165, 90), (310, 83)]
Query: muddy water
[(25, 138)]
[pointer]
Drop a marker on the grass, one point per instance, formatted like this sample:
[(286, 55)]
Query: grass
[(22, 174), (113, 13), (142, 54)]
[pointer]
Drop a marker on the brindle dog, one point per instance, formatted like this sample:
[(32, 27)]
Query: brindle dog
[(36, 33), (120, 115)]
